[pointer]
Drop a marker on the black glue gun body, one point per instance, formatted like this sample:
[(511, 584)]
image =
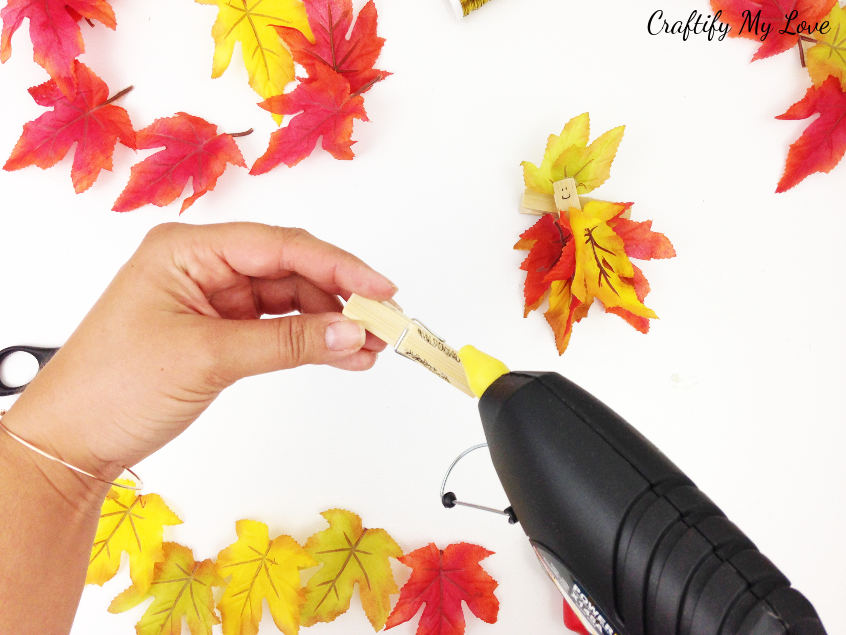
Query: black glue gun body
[(635, 547)]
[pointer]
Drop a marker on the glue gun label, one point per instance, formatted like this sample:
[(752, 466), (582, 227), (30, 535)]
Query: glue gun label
[(588, 613)]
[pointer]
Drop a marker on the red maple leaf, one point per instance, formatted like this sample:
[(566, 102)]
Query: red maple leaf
[(640, 241), (823, 143), (87, 119), (442, 580), (323, 107), (773, 13), (55, 34), (644, 244), (193, 149), (353, 58), (552, 256), (550, 267)]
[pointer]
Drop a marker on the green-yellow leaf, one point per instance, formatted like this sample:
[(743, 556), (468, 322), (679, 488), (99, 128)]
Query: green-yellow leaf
[(568, 155), (350, 555), (576, 133), (590, 166), (181, 589)]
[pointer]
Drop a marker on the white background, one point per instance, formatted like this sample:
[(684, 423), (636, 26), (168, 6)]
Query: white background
[(740, 382)]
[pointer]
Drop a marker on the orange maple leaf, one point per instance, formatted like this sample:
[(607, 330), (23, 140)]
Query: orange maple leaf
[(87, 118)]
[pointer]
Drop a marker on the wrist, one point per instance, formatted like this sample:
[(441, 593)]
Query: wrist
[(45, 478)]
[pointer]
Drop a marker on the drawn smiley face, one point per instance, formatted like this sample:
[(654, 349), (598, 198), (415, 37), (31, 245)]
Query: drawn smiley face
[(566, 195)]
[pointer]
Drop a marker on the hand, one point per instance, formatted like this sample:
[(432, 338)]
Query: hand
[(179, 323)]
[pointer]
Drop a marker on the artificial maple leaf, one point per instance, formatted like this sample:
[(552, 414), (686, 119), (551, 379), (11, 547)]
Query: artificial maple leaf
[(823, 143), (53, 29), (193, 149), (552, 256), (442, 580), (261, 569), (133, 524), (350, 554), (569, 155), (353, 58), (573, 271), (323, 107), (87, 119), (269, 64), (181, 588), (565, 309), (550, 267), (828, 55), (603, 270), (576, 133), (773, 14)]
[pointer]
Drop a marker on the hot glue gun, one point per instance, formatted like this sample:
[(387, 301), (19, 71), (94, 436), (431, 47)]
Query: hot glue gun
[(632, 544)]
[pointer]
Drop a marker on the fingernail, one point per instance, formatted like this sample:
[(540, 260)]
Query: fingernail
[(393, 286), (344, 335)]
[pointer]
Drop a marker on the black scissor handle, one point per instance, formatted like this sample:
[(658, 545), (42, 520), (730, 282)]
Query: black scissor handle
[(41, 355)]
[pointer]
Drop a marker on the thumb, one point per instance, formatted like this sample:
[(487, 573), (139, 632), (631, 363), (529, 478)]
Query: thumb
[(251, 347)]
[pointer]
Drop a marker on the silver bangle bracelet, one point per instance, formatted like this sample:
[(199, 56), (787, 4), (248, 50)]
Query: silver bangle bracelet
[(139, 484)]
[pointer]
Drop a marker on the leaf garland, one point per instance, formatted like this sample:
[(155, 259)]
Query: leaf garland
[(338, 53), (583, 253), (256, 570), (822, 145)]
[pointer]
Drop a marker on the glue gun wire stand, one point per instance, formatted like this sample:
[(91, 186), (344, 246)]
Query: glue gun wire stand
[(633, 545)]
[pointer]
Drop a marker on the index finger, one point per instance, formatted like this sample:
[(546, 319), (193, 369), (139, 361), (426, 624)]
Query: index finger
[(265, 251)]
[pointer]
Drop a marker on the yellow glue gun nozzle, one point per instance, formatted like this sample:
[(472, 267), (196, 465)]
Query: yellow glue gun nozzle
[(482, 369)]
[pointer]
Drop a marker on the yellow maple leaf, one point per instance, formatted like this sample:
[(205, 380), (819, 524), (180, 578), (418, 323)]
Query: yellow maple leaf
[(130, 523), (261, 569), (569, 155), (350, 554), (828, 56), (181, 588), (250, 22), (603, 270)]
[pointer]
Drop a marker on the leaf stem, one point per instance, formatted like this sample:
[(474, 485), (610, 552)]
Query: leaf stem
[(801, 53), (240, 134), (117, 96)]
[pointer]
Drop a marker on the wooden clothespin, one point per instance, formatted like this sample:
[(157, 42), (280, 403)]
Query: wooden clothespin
[(409, 338), (565, 196)]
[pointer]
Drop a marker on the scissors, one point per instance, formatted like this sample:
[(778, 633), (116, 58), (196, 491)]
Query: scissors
[(41, 355)]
